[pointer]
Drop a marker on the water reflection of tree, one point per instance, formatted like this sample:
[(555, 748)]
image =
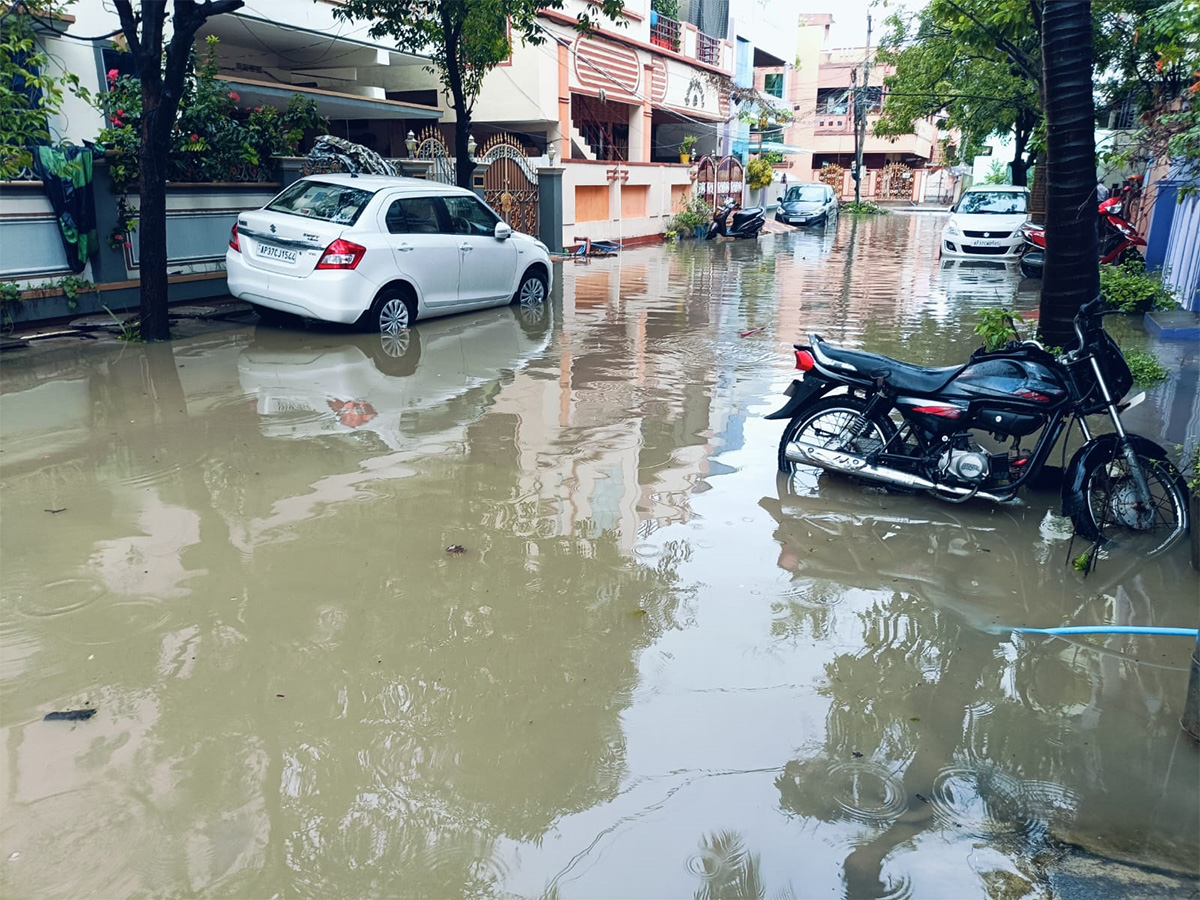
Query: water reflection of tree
[(940, 724)]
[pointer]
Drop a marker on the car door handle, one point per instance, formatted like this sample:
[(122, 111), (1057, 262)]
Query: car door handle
[(465, 246), (404, 248)]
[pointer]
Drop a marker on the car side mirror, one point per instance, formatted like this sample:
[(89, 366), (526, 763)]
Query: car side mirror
[(503, 231)]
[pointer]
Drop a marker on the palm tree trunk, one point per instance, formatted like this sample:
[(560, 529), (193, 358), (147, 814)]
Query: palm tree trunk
[(1072, 274)]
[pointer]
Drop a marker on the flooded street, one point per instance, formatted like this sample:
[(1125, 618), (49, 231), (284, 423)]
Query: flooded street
[(520, 608)]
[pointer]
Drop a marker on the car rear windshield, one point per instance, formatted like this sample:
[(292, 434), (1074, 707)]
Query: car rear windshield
[(320, 200), (998, 202), (812, 194)]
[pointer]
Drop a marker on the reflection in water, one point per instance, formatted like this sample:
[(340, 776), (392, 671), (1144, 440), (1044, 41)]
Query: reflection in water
[(646, 638)]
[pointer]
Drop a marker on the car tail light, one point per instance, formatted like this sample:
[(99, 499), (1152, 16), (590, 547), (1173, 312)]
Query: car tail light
[(341, 255), (805, 361), (234, 243)]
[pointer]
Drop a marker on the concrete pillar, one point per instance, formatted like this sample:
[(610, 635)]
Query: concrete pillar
[(288, 169), (550, 207), (478, 176), (564, 102), (108, 264), (1191, 707), (415, 168)]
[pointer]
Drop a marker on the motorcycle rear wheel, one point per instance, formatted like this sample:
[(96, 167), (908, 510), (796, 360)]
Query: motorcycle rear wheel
[(1112, 512), (828, 423)]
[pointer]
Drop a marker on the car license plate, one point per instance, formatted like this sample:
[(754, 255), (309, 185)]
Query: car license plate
[(270, 251), (987, 243), (799, 220)]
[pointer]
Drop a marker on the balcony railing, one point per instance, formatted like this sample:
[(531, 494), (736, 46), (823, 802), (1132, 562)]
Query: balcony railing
[(708, 49), (665, 33)]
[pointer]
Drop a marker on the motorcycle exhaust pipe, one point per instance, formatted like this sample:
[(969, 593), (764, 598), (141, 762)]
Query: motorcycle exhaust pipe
[(850, 464)]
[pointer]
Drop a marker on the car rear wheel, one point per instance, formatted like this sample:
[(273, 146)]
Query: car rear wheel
[(391, 313)]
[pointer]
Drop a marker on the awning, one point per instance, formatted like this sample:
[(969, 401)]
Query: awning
[(785, 149), (331, 104)]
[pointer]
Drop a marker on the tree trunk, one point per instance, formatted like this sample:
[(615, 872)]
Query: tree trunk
[(152, 216), (1072, 273), (464, 166)]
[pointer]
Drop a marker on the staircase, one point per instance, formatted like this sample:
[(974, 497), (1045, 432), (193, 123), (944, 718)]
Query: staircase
[(580, 148)]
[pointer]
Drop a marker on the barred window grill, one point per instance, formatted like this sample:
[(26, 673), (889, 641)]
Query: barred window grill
[(708, 49), (665, 33)]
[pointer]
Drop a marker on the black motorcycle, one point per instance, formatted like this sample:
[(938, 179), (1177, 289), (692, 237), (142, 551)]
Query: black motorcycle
[(747, 223), (919, 429)]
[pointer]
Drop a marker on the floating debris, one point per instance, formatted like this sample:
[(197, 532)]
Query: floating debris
[(69, 715), (456, 548)]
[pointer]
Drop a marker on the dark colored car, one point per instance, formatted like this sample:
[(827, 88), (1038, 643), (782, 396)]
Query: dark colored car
[(810, 203)]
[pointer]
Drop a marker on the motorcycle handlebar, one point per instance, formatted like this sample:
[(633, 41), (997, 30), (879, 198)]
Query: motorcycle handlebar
[(1094, 308)]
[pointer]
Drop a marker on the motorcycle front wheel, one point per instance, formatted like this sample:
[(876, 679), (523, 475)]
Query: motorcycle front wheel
[(1112, 510), (831, 423)]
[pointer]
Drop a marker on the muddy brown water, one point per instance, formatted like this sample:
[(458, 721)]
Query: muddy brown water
[(653, 669)]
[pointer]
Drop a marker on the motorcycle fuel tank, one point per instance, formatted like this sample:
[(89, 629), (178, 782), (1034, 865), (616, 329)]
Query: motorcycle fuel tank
[(1015, 379), (1005, 394)]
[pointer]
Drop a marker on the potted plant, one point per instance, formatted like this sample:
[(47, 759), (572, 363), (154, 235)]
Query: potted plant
[(686, 222), (685, 148), (699, 215)]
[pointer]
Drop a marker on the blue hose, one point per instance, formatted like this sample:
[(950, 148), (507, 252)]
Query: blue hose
[(1111, 629)]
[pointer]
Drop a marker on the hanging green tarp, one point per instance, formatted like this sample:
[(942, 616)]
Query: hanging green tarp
[(66, 174)]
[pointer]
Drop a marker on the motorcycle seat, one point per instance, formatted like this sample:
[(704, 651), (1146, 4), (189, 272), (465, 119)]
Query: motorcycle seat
[(903, 377), (747, 215)]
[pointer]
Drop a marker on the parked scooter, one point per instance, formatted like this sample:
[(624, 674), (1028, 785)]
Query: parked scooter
[(1118, 240), (747, 223), (891, 423)]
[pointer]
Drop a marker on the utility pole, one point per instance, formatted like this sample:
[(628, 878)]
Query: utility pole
[(860, 115)]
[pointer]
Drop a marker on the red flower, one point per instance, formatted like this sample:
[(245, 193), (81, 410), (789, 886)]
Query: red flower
[(120, 112), (194, 137), (116, 120), (113, 74), (233, 95)]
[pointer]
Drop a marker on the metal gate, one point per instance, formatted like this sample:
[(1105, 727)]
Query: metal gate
[(834, 176), (432, 146), (510, 184), (939, 187), (718, 181), (894, 182)]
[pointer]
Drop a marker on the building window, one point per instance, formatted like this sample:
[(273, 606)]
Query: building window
[(773, 84)]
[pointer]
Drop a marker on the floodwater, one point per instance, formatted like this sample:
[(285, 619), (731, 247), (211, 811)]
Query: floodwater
[(647, 667)]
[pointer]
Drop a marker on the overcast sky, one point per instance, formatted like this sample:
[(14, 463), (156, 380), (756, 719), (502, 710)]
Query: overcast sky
[(850, 18)]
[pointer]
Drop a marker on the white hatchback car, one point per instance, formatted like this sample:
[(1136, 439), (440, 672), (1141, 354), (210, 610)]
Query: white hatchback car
[(381, 252), (986, 222)]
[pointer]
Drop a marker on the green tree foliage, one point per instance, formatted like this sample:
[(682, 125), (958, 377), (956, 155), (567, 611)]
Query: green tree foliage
[(997, 173), (759, 174), (465, 39), (975, 61), (1155, 76), (213, 140), (29, 94), (668, 8), (978, 63)]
